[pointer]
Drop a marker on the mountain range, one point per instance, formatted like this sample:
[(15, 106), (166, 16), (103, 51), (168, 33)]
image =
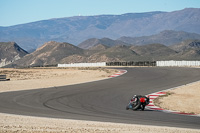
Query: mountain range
[(53, 53), (166, 37), (77, 29)]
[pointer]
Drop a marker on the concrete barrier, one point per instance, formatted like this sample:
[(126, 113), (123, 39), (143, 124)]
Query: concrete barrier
[(177, 63), (98, 64)]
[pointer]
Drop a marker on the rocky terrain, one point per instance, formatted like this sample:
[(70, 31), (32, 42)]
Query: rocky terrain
[(10, 52), (105, 41), (187, 50), (53, 53), (155, 52), (77, 29)]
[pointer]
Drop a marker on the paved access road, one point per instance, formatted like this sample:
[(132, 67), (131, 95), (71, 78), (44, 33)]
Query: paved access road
[(105, 100)]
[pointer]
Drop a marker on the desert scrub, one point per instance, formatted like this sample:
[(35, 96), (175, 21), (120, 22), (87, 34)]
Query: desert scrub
[(157, 101)]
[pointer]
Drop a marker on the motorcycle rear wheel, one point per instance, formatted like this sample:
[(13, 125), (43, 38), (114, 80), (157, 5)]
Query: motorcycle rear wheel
[(143, 107)]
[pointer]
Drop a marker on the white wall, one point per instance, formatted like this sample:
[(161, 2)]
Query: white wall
[(177, 63), (158, 63), (98, 64)]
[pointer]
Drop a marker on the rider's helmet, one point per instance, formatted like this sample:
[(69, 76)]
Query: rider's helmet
[(134, 98)]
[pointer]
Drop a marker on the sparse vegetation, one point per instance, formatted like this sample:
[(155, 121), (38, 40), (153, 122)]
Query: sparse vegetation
[(157, 101)]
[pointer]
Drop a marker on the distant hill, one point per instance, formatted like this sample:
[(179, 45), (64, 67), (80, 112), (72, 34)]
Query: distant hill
[(167, 37), (10, 52), (185, 45), (95, 49), (187, 50), (99, 47), (50, 53), (79, 28), (105, 41), (53, 53), (154, 51), (115, 53)]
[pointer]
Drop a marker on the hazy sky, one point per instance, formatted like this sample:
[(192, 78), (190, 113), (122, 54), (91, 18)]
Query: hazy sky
[(14, 12)]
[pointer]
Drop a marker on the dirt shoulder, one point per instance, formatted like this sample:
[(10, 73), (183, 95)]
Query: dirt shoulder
[(24, 79), (184, 99)]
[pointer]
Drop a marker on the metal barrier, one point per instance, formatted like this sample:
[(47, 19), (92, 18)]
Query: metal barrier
[(132, 63)]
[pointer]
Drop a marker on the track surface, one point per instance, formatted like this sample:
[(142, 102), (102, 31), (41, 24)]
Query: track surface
[(105, 100)]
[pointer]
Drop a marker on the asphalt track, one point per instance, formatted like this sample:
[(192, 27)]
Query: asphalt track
[(105, 100)]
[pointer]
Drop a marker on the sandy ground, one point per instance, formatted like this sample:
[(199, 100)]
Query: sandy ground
[(24, 79), (184, 99), (26, 124)]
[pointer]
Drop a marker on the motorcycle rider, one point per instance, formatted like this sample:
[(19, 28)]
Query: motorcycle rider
[(133, 101), (138, 102)]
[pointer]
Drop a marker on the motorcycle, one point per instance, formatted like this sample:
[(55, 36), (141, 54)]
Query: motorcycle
[(138, 102)]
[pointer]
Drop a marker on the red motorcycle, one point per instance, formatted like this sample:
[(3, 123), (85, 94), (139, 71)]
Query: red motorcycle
[(138, 102)]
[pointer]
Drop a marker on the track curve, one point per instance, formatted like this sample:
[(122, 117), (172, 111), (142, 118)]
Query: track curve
[(105, 100)]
